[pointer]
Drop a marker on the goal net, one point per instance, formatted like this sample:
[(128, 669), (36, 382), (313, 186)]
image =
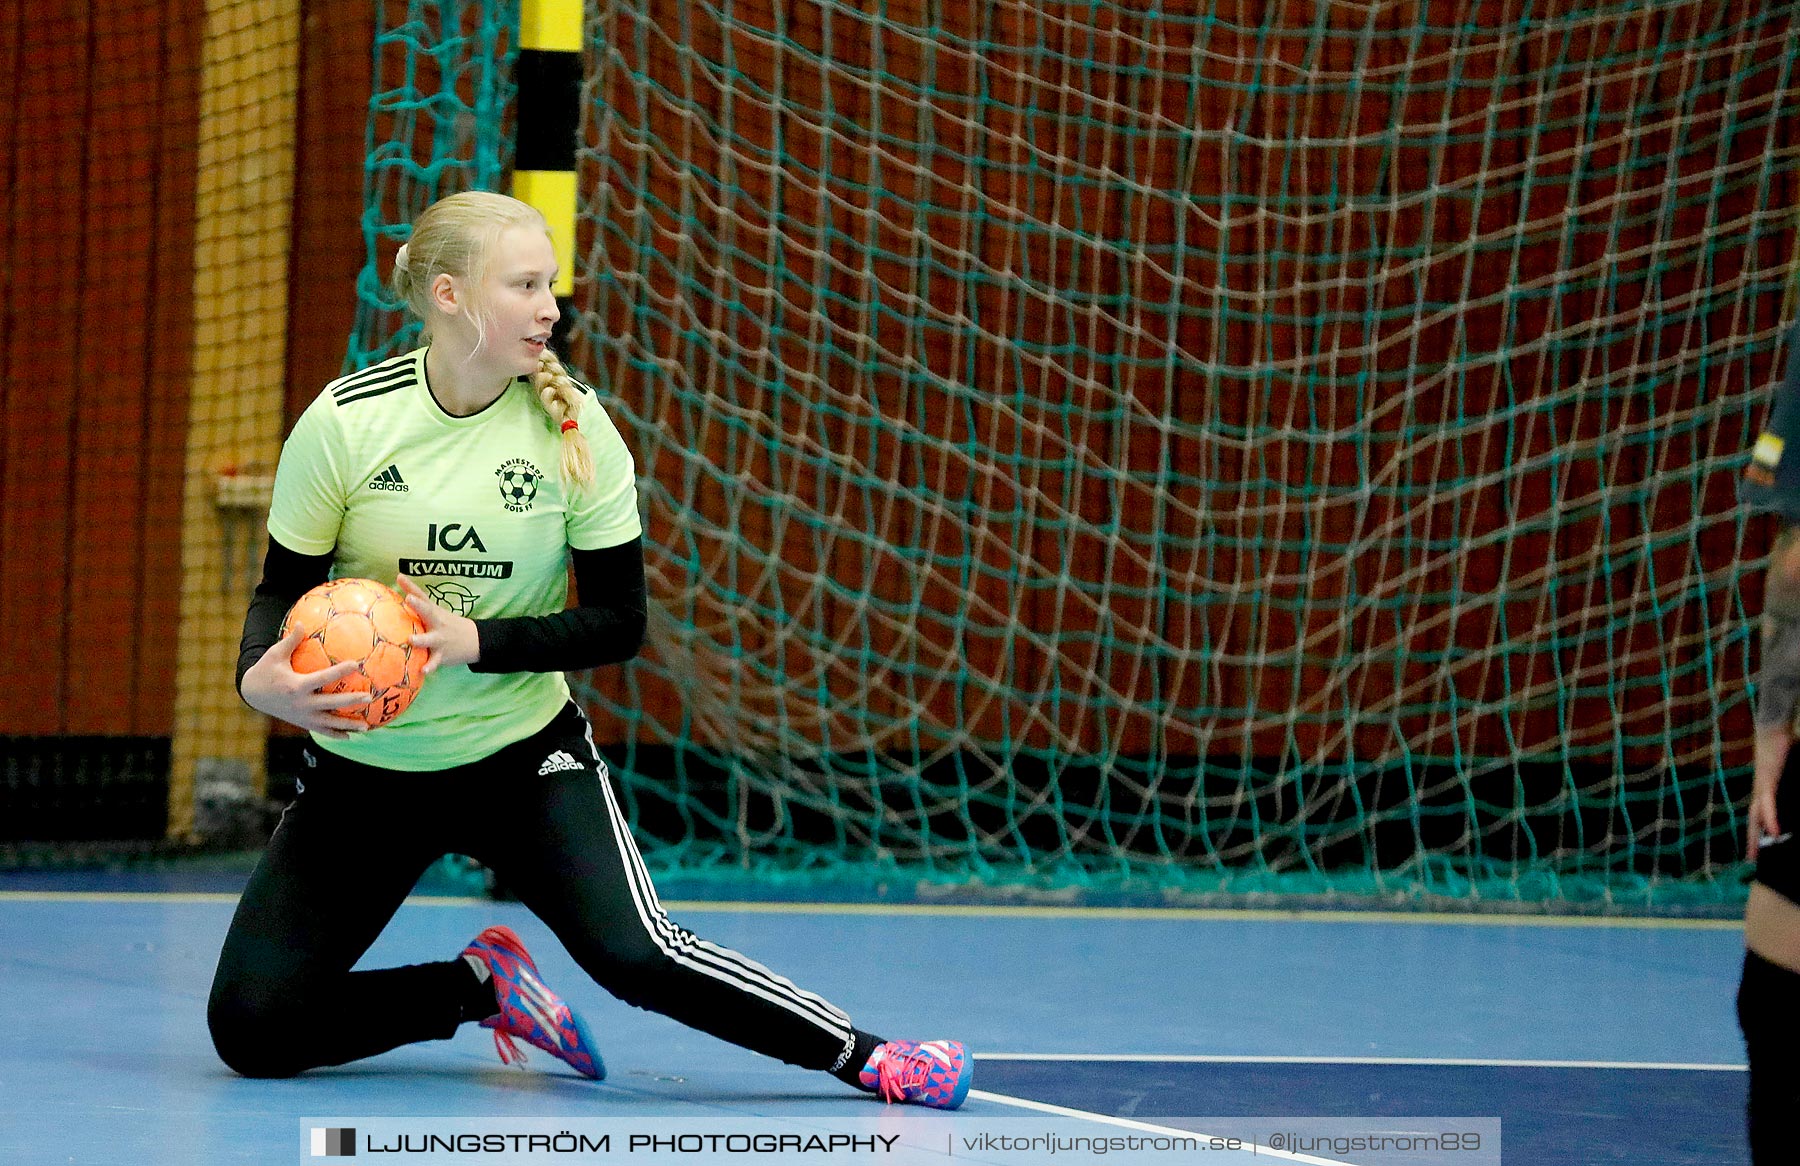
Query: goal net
[(1170, 450)]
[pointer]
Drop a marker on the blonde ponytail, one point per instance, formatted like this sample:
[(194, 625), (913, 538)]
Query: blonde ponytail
[(562, 401), (402, 281)]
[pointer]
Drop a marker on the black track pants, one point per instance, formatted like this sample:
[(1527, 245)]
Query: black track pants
[(542, 815)]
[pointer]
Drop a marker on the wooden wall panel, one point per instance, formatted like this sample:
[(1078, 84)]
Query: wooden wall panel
[(114, 260), (167, 366), (13, 534), (50, 125), (96, 149), (336, 71)]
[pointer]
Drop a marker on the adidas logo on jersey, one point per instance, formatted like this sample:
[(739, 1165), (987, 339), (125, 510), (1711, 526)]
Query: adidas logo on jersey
[(389, 479), (557, 762)]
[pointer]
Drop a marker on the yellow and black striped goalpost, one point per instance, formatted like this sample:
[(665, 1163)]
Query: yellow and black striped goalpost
[(548, 123)]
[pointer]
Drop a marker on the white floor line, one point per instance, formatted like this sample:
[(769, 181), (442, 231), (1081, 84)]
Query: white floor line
[(1479, 1062), (1145, 1127)]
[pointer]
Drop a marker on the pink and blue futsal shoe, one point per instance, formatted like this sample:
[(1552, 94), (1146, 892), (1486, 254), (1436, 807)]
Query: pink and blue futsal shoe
[(529, 1010), (934, 1072)]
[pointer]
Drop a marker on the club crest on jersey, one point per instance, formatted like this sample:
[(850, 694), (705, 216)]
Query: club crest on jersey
[(518, 484), (451, 596)]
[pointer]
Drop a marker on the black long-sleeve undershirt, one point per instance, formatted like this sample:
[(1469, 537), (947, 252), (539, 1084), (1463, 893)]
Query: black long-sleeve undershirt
[(606, 626)]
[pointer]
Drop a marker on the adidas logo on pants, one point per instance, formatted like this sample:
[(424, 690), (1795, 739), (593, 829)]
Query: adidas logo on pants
[(557, 762)]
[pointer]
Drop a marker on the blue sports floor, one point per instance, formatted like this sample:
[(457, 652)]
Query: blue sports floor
[(1590, 1041)]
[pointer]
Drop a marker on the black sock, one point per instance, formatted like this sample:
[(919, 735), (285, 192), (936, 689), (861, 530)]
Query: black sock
[(859, 1056), (475, 993)]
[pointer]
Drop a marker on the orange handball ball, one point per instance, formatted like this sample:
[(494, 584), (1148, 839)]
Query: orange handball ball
[(368, 622)]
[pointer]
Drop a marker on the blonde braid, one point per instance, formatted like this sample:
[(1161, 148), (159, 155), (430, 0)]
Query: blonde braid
[(562, 401)]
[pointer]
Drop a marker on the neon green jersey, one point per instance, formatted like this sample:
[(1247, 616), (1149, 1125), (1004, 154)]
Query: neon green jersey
[(472, 508)]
